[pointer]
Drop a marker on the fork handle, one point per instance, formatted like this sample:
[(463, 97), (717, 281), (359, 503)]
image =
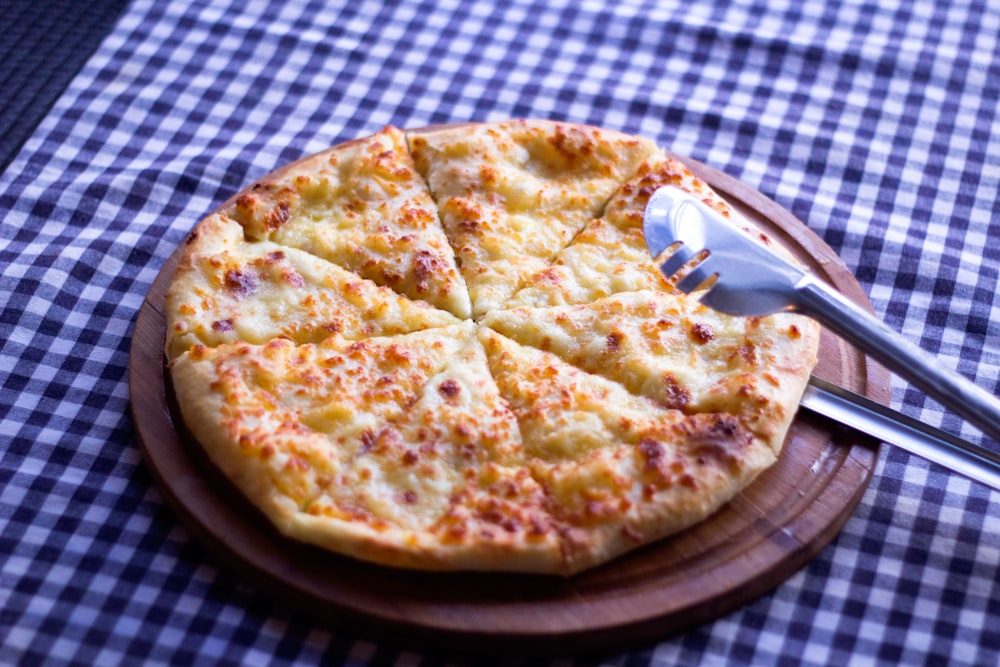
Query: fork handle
[(899, 355)]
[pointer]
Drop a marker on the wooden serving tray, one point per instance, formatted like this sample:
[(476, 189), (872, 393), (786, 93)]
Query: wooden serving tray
[(762, 537)]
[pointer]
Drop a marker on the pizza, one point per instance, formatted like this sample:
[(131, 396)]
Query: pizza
[(448, 349)]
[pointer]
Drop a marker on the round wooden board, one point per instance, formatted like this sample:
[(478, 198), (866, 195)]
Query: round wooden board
[(754, 543)]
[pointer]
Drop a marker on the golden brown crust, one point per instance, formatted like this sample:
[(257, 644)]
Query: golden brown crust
[(350, 345)]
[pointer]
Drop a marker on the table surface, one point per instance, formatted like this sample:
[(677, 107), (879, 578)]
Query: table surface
[(876, 125)]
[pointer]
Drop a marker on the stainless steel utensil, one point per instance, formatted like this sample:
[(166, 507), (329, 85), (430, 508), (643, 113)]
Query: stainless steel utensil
[(916, 437), (745, 277)]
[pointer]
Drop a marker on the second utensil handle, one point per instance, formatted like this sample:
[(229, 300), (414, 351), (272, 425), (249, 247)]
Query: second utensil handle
[(966, 399), (935, 445)]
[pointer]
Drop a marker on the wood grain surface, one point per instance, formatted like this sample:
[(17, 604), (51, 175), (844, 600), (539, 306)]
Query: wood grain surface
[(762, 537)]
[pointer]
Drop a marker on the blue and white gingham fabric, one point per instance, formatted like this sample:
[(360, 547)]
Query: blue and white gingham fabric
[(874, 122)]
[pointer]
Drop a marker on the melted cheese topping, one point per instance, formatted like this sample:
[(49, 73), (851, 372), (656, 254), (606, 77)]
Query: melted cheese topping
[(227, 289), (512, 195), (609, 256), (670, 348), (350, 346), (363, 207)]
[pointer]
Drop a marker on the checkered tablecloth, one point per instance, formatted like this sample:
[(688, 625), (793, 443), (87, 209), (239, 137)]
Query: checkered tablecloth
[(875, 123)]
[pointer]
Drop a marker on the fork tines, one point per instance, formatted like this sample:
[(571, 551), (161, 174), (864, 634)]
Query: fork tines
[(686, 269)]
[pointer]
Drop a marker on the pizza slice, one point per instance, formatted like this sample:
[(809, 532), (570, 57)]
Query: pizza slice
[(619, 470), (362, 206), (226, 289), (447, 478), (673, 350), (511, 195), (455, 424), (287, 422), (610, 256)]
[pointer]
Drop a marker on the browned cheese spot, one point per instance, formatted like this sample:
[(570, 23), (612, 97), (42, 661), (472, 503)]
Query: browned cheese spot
[(277, 216), (293, 278), (424, 267), (653, 453), (564, 145), (489, 175), (449, 389), (702, 333), (367, 441), (674, 395), (748, 353), (241, 283), (247, 202), (719, 439)]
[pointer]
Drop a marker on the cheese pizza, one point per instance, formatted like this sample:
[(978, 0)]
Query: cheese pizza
[(449, 350)]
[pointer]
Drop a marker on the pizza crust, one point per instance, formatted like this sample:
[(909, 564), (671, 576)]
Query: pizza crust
[(537, 399)]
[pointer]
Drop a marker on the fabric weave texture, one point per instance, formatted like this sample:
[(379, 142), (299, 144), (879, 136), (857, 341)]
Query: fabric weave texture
[(875, 123)]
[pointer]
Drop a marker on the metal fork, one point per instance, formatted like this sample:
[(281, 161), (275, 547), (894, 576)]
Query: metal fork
[(744, 277)]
